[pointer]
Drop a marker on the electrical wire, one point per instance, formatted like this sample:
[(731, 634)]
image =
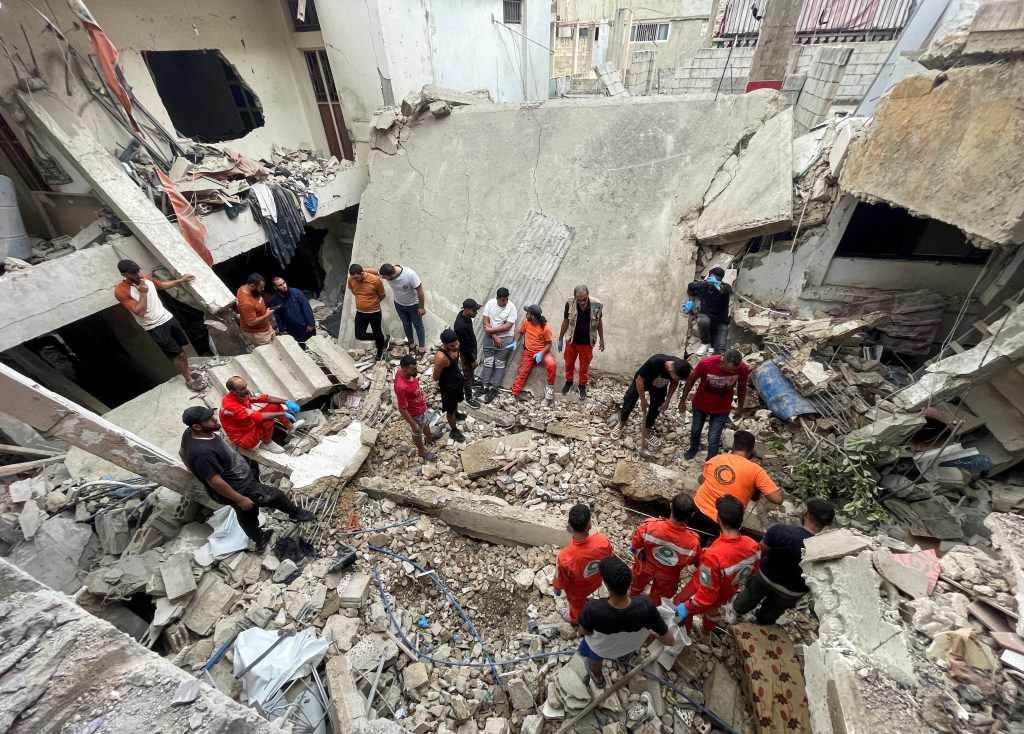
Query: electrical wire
[(711, 714), (410, 521)]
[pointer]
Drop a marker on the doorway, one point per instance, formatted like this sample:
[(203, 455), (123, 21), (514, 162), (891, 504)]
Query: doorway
[(329, 104)]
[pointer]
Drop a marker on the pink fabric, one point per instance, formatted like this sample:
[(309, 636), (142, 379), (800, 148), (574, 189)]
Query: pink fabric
[(192, 227), (106, 54)]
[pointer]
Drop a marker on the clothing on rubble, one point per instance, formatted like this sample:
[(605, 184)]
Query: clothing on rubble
[(285, 232)]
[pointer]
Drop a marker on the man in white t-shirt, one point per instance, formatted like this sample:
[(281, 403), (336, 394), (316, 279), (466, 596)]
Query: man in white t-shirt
[(410, 302), (137, 293), (499, 317)]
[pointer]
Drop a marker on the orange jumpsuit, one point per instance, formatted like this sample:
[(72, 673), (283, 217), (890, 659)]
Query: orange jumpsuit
[(243, 424), (577, 573), (724, 566), (663, 550)]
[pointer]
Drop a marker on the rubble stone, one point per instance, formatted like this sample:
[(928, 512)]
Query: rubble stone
[(176, 572), (834, 544), (212, 600), (414, 677)]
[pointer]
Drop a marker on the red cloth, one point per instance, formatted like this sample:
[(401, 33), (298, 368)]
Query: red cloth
[(664, 549), (576, 573), (527, 365), (716, 387), (192, 228), (586, 353), (724, 567), (243, 424), (410, 395)]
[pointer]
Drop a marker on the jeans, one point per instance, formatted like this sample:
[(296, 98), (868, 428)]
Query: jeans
[(410, 316), (712, 332), (495, 361), (371, 320), (655, 397), (715, 428), (758, 591), (585, 352)]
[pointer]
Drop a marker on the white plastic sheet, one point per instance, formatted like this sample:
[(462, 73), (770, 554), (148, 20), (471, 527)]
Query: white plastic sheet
[(294, 657), (668, 656), (227, 537)]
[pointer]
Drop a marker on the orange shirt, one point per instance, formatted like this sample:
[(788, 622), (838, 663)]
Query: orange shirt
[(577, 573), (731, 474), (368, 294), (251, 307), (536, 336)]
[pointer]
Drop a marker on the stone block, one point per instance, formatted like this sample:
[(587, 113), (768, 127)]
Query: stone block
[(910, 581), (520, 695), (353, 591), (497, 725), (348, 703), (176, 572), (532, 724), (341, 632), (414, 677), (481, 458), (834, 544), (647, 482), (212, 600)]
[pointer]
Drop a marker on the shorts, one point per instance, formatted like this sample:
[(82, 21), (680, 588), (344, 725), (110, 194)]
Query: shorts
[(422, 420), (170, 337), (585, 651), (450, 400)]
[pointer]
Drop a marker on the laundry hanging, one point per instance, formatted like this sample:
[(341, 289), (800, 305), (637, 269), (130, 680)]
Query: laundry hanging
[(284, 233)]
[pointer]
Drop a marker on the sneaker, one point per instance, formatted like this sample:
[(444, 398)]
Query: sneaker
[(491, 394), (583, 392), (271, 448), (198, 385), (690, 453), (472, 402), (702, 350), (430, 456), (460, 416), (296, 425), (303, 516), (264, 541), (549, 392), (567, 387), (616, 432), (457, 436)]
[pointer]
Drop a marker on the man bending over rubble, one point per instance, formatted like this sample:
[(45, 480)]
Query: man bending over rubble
[(653, 386), (724, 568), (616, 627), (576, 573), (227, 478), (662, 549), (249, 428)]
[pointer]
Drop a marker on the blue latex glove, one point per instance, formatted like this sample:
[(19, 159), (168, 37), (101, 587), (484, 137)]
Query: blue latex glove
[(561, 344), (632, 550), (292, 407), (290, 417), (538, 357), (513, 345), (689, 306), (556, 592), (715, 282), (682, 612)]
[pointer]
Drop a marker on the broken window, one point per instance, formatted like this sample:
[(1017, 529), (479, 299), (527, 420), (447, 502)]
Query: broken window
[(309, 21), (203, 94), (649, 32), (879, 231), (513, 11)]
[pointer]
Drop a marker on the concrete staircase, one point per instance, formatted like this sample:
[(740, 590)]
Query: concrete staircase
[(280, 368)]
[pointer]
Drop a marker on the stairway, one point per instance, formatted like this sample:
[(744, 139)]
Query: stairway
[(280, 368)]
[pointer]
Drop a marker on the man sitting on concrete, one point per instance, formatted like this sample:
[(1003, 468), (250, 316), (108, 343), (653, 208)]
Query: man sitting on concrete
[(779, 583), (731, 474), (250, 428), (227, 477), (292, 311), (616, 627), (713, 319), (499, 317), (662, 549), (576, 572), (412, 405), (653, 385), (724, 568), (536, 335), (253, 314), (137, 293), (720, 376)]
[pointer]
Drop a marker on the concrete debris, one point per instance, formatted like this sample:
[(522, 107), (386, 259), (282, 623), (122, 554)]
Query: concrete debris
[(647, 482), (416, 102)]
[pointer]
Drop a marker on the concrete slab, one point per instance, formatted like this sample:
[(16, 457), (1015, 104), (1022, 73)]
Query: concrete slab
[(482, 458), (52, 556), (909, 580), (834, 544), (177, 575), (1008, 537), (646, 482), (336, 360), (212, 600)]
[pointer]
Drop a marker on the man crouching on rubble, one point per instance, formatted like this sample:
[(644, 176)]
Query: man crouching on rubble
[(227, 478)]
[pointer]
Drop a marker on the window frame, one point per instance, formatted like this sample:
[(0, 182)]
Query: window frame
[(506, 6), (634, 32)]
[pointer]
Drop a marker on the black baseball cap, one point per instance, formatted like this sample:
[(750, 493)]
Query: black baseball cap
[(534, 309), (471, 304), (128, 266), (196, 414)]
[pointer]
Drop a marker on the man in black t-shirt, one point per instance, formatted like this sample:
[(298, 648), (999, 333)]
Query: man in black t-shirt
[(226, 475), (713, 319), (779, 583), (466, 333), (616, 627), (653, 386)]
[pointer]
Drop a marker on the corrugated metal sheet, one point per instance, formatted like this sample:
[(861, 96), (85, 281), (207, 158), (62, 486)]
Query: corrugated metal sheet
[(532, 258), (835, 16)]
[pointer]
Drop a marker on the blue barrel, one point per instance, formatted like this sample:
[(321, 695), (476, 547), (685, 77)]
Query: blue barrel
[(778, 393)]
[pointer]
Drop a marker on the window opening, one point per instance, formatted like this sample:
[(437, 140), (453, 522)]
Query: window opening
[(513, 11), (878, 231), (649, 32), (329, 104), (310, 22)]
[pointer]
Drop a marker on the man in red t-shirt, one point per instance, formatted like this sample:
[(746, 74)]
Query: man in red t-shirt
[(413, 405), (724, 568), (720, 377), (662, 549), (577, 571)]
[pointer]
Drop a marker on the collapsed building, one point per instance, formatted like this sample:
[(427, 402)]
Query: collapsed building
[(877, 262)]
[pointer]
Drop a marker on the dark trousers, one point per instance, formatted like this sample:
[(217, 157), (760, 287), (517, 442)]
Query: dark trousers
[(655, 397), (716, 424), (371, 320), (262, 496), (706, 528), (757, 591), (711, 332), (467, 376)]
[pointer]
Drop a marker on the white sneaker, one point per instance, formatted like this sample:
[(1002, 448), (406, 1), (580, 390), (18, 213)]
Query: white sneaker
[(549, 392), (271, 447), (702, 350), (296, 425)]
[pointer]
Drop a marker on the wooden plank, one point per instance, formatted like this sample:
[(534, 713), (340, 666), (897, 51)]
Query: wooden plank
[(26, 466), (6, 448)]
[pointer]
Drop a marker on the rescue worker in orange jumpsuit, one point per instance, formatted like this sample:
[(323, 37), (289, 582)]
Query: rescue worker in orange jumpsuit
[(724, 567), (577, 572), (250, 428), (662, 549)]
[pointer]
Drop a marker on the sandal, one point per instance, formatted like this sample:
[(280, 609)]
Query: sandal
[(430, 456), (616, 432), (654, 441), (598, 683), (198, 385)]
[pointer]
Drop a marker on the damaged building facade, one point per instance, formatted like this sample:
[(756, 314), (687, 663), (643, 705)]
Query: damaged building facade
[(877, 261)]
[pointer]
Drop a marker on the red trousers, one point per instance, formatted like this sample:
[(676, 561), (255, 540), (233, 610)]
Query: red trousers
[(665, 584), (710, 616), (576, 604), (258, 432), (527, 365), (586, 353)]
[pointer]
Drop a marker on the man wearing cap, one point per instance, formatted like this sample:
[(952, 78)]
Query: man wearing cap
[(467, 345), (448, 376), (254, 316), (227, 477), (536, 334), (136, 293), (249, 427), (584, 318), (499, 318)]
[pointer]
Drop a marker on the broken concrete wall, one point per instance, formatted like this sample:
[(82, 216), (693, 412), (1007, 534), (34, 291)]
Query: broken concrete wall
[(961, 132), (622, 173)]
